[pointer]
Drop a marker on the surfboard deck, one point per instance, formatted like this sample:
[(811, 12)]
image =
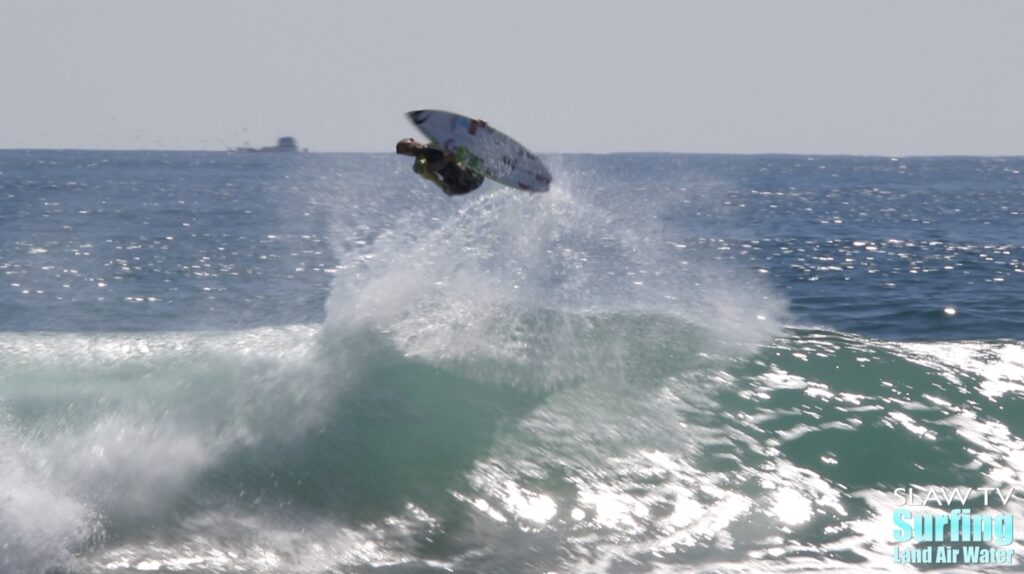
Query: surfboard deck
[(483, 149)]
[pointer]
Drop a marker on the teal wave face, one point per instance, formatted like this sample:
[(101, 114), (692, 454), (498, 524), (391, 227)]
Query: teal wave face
[(791, 452)]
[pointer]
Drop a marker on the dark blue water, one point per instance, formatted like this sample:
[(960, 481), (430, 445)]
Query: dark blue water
[(221, 362), (876, 246)]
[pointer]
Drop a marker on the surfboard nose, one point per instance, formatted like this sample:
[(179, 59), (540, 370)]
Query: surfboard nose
[(418, 116)]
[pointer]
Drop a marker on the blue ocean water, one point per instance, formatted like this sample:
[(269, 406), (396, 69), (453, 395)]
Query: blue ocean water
[(242, 362)]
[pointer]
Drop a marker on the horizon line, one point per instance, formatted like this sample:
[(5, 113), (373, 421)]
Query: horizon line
[(645, 152)]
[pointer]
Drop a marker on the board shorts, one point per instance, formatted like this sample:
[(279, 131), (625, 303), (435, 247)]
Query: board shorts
[(457, 178)]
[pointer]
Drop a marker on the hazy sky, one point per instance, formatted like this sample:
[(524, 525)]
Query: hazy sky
[(891, 77)]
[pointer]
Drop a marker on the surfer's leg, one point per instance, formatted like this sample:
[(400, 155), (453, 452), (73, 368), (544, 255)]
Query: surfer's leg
[(420, 167)]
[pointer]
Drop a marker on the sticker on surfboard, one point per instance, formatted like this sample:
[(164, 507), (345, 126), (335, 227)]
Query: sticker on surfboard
[(483, 149)]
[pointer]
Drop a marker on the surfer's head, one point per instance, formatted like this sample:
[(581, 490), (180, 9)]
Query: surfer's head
[(408, 146)]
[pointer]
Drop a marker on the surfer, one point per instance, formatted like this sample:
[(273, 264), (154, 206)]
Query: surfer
[(440, 167)]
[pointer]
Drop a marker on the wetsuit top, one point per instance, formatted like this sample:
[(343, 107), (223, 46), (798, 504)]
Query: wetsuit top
[(455, 179)]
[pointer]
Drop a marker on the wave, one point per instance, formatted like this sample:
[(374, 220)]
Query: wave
[(211, 445), (501, 384)]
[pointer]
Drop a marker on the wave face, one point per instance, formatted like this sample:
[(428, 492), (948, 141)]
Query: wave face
[(666, 363)]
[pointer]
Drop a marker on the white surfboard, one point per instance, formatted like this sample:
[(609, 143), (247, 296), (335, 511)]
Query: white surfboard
[(483, 149)]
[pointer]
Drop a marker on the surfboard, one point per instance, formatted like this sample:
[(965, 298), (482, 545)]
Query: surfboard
[(483, 149)]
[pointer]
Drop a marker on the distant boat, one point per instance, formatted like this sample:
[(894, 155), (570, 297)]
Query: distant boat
[(286, 144)]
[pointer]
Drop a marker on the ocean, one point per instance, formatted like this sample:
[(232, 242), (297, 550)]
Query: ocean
[(308, 363)]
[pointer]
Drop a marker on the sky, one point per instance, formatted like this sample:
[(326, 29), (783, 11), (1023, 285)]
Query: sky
[(873, 77)]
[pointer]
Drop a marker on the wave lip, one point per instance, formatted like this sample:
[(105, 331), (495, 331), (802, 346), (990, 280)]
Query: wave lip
[(41, 521)]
